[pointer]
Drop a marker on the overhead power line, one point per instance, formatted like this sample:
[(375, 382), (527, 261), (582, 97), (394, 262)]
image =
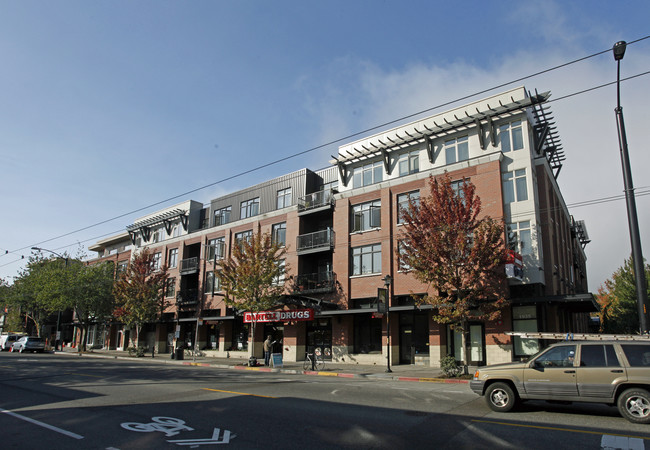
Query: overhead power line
[(338, 140)]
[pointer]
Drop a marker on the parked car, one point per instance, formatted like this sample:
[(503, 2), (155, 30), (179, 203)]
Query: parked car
[(29, 344), (610, 372), (7, 340)]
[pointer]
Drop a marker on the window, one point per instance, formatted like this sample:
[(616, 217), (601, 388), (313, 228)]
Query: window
[(250, 208), (558, 357), (637, 355), (511, 137), (366, 259), (409, 163), (524, 318), (367, 334), (222, 216), (284, 198), (519, 237), (402, 265), (176, 231), (403, 203), (514, 186), (212, 283), (279, 233), (173, 258), (216, 249), (170, 287), (244, 236), (598, 356), (368, 174), (279, 280), (155, 263), (158, 235), (366, 216), (121, 266), (457, 150)]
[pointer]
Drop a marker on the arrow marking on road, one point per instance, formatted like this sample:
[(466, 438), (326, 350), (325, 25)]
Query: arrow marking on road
[(225, 439)]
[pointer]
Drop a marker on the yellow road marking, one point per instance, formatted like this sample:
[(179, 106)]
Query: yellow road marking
[(573, 430), (84, 375), (238, 393)]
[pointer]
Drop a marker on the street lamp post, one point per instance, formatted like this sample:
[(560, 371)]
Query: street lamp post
[(387, 282), (58, 316), (633, 221)]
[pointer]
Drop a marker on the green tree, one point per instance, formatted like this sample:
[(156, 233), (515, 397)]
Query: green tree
[(617, 299), (460, 255), (253, 276), (139, 292)]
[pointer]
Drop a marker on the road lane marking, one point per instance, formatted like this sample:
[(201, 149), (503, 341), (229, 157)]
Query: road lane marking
[(85, 375), (42, 424), (238, 393), (573, 430)]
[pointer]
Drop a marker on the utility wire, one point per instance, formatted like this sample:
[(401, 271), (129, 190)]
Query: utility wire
[(345, 138)]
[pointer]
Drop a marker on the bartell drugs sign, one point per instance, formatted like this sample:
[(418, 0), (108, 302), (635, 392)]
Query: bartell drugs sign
[(279, 316)]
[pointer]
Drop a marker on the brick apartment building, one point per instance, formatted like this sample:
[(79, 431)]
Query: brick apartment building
[(341, 228)]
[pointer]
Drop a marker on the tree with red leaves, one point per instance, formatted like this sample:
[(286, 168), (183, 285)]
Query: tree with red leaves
[(139, 292), (460, 255)]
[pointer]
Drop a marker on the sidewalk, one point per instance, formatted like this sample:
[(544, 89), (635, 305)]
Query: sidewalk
[(332, 369)]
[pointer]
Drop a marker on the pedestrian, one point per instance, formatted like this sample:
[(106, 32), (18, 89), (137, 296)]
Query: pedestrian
[(268, 346)]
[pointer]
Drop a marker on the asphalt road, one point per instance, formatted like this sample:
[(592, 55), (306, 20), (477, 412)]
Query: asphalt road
[(63, 402)]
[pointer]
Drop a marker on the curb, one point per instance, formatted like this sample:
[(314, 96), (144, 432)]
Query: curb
[(375, 376)]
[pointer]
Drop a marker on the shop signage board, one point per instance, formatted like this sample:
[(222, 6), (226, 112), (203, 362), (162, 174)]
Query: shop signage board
[(279, 316)]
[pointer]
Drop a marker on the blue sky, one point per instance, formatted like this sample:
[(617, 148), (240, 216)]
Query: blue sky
[(108, 107)]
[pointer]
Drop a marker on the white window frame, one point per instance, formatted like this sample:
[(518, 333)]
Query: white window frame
[(173, 258), (223, 215), (366, 216), (279, 230), (520, 237), (408, 163), (368, 174), (249, 208), (456, 150), (366, 259), (515, 187), (283, 198), (403, 203), (511, 136)]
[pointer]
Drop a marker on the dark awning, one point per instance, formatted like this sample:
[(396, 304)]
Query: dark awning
[(574, 302)]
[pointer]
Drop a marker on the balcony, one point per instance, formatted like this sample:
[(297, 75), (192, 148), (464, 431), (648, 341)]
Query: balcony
[(315, 283), (187, 297), (315, 242), (316, 201), (189, 266)]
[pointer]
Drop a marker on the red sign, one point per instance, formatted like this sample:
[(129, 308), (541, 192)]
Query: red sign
[(279, 316)]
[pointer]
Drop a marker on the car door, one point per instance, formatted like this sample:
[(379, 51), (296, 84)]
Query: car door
[(552, 374), (599, 371)]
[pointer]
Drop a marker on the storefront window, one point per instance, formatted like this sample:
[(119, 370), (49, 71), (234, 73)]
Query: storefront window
[(524, 318), (367, 334), (476, 344), (239, 336)]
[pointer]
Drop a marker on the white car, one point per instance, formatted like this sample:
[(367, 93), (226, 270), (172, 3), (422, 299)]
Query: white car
[(7, 340), (29, 344)]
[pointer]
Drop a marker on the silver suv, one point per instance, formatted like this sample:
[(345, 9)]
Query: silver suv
[(611, 372)]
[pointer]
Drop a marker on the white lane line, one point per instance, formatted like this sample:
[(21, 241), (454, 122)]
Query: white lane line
[(42, 424)]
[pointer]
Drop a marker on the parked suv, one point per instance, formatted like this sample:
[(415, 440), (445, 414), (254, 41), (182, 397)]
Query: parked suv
[(29, 344), (7, 340), (611, 372)]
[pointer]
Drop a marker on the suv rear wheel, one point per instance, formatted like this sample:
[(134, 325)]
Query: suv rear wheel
[(634, 405), (500, 397)]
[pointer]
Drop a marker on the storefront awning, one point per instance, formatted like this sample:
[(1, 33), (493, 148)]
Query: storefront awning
[(574, 302)]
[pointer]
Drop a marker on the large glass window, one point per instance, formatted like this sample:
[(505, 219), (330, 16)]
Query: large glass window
[(284, 198), (476, 344), (409, 163), (173, 258), (212, 283), (279, 233), (222, 216), (155, 263), (403, 203), (244, 236), (250, 208), (170, 287), (457, 150), (367, 334), (366, 216), (216, 249), (279, 280), (511, 136), (368, 174), (514, 186), (524, 318), (520, 237), (366, 259)]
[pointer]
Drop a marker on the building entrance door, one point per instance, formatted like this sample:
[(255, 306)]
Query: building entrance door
[(319, 338)]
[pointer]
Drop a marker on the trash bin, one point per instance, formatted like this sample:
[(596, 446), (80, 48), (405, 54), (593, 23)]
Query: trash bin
[(180, 354)]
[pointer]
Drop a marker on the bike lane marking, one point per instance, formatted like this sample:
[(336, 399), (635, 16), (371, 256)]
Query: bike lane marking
[(42, 424)]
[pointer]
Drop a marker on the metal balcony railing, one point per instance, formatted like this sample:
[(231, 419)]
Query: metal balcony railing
[(314, 283), (320, 240), (316, 200), (187, 297), (189, 266)]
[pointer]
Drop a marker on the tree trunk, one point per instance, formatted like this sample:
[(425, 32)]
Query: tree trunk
[(466, 349)]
